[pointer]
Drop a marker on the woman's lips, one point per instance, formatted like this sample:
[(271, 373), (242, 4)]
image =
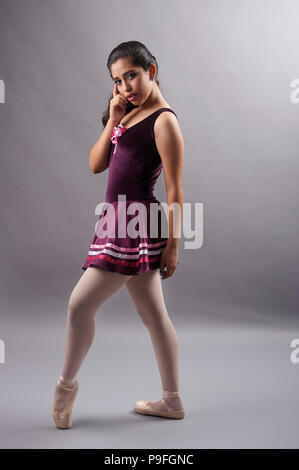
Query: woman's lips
[(132, 97)]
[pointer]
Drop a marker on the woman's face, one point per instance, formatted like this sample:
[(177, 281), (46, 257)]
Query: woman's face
[(132, 79)]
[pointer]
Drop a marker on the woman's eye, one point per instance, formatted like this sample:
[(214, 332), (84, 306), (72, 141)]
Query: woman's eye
[(130, 75)]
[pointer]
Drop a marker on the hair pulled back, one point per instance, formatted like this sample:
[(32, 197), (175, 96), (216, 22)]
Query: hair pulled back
[(139, 55)]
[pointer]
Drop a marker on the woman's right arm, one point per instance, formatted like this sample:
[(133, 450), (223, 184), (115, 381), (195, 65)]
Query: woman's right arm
[(98, 156)]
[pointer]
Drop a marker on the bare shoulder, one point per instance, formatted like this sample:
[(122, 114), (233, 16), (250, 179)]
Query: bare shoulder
[(167, 123), (170, 145)]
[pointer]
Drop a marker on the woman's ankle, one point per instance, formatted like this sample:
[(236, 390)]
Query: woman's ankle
[(67, 380)]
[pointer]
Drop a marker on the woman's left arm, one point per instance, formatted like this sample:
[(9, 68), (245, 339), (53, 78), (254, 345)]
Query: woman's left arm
[(170, 145)]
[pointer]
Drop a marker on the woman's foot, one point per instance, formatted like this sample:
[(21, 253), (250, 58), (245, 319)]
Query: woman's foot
[(175, 403), (169, 407), (64, 397)]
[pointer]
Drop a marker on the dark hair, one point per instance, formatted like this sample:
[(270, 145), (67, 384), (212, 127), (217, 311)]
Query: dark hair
[(139, 55)]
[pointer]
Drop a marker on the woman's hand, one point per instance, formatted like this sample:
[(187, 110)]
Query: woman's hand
[(118, 106), (169, 258)]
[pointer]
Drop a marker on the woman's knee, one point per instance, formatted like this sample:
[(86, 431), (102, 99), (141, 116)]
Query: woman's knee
[(153, 316), (78, 311)]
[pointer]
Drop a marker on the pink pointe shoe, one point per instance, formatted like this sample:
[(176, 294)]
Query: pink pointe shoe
[(63, 418), (144, 407)]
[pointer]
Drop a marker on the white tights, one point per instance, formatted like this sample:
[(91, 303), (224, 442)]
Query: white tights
[(94, 287)]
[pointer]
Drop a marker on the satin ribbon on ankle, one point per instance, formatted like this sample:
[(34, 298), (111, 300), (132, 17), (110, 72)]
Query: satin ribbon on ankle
[(168, 394)]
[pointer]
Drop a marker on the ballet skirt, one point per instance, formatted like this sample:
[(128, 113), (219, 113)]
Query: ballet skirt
[(128, 236)]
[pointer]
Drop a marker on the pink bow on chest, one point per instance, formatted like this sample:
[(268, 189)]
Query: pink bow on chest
[(116, 133)]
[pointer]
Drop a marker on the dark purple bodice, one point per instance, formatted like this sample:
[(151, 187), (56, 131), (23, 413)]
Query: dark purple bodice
[(134, 161)]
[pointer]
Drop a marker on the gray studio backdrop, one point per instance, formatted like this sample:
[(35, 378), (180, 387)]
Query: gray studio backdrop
[(229, 70), (226, 69)]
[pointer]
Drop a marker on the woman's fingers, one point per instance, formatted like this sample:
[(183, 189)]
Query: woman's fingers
[(168, 272)]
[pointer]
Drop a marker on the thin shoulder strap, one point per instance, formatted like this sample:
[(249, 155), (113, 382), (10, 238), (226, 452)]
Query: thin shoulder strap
[(161, 110)]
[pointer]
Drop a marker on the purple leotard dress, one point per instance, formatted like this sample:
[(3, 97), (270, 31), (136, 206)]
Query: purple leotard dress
[(134, 167)]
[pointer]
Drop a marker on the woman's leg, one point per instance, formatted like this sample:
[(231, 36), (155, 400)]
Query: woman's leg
[(94, 287), (146, 292)]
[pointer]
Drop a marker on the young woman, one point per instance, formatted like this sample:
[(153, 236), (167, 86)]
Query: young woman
[(141, 134)]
